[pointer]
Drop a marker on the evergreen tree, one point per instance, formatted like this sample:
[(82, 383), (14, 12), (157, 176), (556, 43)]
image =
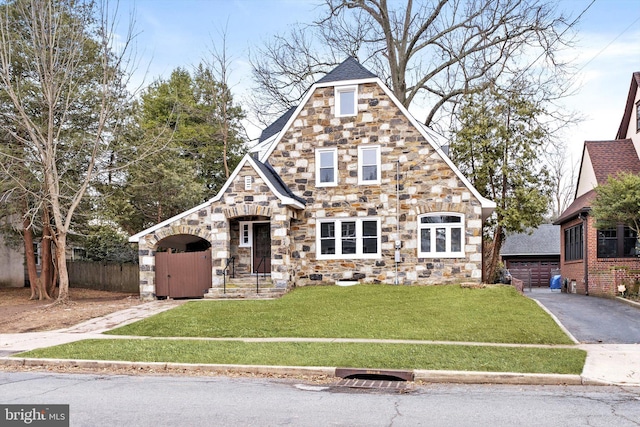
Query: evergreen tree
[(498, 145)]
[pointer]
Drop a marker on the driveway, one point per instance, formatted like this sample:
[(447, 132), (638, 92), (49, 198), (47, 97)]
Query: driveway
[(592, 320)]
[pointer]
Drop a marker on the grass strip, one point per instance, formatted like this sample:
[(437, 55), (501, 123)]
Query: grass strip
[(435, 313), (356, 355)]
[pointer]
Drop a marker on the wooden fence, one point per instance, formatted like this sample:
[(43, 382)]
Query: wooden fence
[(104, 277)]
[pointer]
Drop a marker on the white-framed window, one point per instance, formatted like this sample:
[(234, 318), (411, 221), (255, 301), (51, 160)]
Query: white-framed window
[(326, 167), (245, 234), (441, 235), (248, 180), (344, 238), (369, 164), (346, 103)]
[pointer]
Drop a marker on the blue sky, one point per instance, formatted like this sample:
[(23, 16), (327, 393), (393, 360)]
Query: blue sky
[(178, 33)]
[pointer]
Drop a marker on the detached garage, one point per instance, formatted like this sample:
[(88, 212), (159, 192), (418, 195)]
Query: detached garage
[(535, 257)]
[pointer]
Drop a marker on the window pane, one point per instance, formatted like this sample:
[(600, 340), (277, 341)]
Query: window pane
[(328, 247), (370, 245), (369, 228), (326, 175), (348, 237), (439, 219), (456, 240), (629, 242), (607, 242), (369, 156), (425, 240), (326, 159), (441, 240), (370, 173), (347, 104), (327, 229)]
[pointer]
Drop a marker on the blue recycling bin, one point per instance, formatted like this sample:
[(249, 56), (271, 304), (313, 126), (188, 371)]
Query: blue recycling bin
[(556, 282)]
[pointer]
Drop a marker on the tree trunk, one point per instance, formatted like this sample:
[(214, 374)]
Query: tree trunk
[(32, 270), (494, 258), (54, 276), (61, 261), (45, 273)]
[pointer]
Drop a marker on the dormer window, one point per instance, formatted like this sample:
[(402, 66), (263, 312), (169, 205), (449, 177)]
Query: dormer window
[(346, 101)]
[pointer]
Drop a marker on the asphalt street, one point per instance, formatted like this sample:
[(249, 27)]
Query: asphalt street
[(154, 401)]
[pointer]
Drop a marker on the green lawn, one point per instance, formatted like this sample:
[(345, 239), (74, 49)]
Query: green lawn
[(360, 355), (440, 313)]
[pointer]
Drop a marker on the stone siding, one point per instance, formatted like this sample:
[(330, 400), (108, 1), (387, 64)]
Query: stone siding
[(426, 184)]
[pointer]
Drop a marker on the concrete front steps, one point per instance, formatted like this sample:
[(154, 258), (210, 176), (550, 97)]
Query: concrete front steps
[(245, 288)]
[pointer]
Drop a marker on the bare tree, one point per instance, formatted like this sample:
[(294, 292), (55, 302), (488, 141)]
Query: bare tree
[(64, 85), (430, 53), (563, 174)]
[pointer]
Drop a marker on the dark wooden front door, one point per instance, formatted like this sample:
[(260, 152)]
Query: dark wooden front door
[(261, 248), (183, 275)]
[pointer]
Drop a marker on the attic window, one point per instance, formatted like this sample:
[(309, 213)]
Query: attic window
[(346, 101), (638, 117), (247, 182)]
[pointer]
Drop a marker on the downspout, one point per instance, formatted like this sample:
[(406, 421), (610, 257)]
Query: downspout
[(585, 244), (397, 248)]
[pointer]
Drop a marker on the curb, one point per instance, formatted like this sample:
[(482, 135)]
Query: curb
[(427, 376), (629, 302)]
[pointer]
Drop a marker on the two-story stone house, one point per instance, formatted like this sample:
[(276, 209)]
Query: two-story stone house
[(347, 186)]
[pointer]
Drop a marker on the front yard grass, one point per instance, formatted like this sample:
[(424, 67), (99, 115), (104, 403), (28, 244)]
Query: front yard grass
[(357, 355), (436, 313)]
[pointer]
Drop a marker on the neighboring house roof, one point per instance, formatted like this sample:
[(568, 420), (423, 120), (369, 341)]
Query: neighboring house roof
[(626, 117), (579, 205), (350, 69), (544, 240), (276, 126), (611, 157)]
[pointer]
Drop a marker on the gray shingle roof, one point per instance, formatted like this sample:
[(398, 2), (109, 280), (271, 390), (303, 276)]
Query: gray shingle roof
[(350, 69), (544, 240), (276, 181), (277, 125)]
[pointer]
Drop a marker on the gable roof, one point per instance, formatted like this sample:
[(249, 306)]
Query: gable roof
[(626, 117), (349, 69), (351, 72), (610, 157), (544, 240), (265, 171), (579, 205)]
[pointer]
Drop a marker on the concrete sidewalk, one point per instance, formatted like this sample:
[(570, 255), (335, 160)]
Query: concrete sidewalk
[(617, 364)]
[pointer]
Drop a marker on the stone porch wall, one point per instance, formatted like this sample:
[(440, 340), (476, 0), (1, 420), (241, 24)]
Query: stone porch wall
[(197, 224)]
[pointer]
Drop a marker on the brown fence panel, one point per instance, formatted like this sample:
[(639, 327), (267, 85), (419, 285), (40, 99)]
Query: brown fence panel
[(104, 277)]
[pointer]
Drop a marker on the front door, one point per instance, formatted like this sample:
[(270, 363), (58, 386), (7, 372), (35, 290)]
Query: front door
[(261, 247)]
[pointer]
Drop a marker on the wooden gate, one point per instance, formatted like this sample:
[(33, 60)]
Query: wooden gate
[(183, 275)]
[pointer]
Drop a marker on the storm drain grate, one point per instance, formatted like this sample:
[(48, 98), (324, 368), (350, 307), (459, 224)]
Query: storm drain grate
[(383, 385), (370, 379)]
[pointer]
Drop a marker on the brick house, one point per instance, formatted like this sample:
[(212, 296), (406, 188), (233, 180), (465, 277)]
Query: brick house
[(593, 261), (347, 187)]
